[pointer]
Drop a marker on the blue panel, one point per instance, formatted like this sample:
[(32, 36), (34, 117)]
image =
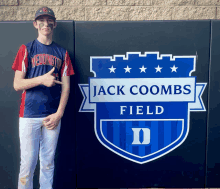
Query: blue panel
[(110, 131), (104, 128), (116, 131), (129, 136), (154, 136), (213, 130), (167, 133), (98, 166), (123, 135), (179, 128), (141, 147), (174, 130), (148, 147), (160, 134)]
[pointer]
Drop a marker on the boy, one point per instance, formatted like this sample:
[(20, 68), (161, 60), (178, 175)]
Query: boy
[(39, 66)]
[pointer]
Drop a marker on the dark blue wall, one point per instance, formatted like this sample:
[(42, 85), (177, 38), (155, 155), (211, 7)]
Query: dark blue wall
[(99, 167), (81, 159)]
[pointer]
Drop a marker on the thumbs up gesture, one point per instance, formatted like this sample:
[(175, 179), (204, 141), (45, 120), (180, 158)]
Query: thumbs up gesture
[(49, 80)]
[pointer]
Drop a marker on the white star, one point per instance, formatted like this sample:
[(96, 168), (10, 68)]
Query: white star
[(158, 68), (173, 68), (127, 69), (112, 69), (143, 69)]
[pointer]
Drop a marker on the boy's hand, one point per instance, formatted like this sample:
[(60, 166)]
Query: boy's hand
[(49, 80), (51, 121)]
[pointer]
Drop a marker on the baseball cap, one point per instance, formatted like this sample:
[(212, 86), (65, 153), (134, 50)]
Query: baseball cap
[(44, 11)]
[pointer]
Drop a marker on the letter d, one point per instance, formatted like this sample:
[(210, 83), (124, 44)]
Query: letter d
[(161, 109)]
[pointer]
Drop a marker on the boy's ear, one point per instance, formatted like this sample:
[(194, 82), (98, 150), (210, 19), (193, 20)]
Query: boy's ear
[(35, 24), (55, 24)]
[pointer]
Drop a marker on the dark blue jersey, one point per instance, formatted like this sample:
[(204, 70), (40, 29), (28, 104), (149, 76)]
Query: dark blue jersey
[(36, 59)]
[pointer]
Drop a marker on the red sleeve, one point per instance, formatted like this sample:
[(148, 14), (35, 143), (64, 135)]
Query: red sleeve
[(21, 59), (67, 68)]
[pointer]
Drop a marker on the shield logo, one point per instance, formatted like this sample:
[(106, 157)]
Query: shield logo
[(142, 102)]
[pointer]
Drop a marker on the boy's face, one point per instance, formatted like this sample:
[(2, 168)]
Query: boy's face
[(45, 25)]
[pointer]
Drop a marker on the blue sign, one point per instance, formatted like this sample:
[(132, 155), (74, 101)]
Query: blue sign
[(142, 102)]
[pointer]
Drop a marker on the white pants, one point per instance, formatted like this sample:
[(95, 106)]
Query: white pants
[(34, 138)]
